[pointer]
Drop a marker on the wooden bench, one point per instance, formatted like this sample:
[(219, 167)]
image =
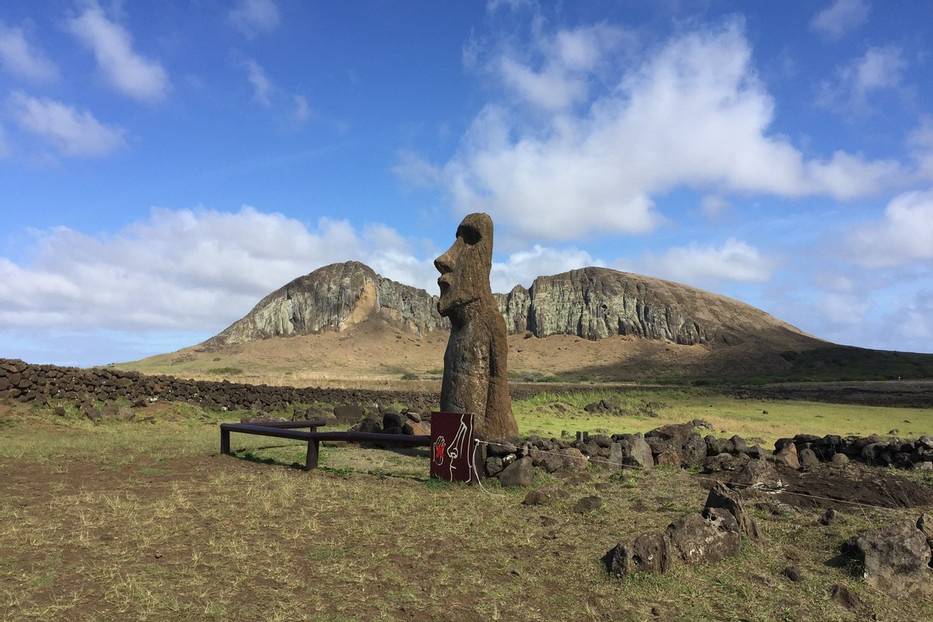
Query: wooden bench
[(288, 429)]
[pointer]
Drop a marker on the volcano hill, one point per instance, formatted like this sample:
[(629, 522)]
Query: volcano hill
[(345, 324)]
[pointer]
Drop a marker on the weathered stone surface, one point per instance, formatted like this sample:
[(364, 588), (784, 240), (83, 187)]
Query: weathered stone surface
[(894, 558), (475, 362), (843, 596), (808, 460), (636, 452), (519, 473), (544, 495), (568, 459), (588, 504), (648, 552), (698, 539), (493, 466), (758, 474), (840, 460), (349, 413), (787, 456), (721, 497)]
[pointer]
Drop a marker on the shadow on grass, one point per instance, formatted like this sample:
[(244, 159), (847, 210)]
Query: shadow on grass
[(250, 456), (247, 454)]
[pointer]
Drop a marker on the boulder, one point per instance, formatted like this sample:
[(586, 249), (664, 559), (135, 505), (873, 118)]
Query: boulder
[(895, 558), (840, 459), (721, 497), (648, 552), (493, 466), (519, 473), (697, 539), (759, 474), (368, 424), (562, 460), (501, 449), (636, 451), (542, 496), (738, 444), (808, 460), (392, 420), (416, 428), (787, 456)]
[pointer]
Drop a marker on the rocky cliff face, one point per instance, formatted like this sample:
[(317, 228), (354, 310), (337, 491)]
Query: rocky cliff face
[(591, 302)]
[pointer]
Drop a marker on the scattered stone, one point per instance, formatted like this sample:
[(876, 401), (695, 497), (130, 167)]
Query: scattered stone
[(894, 559), (542, 496), (792, 573), (721, 497), (600, 406), (519, 473), (368, 424), (648, 552), (493, 466), (787, 456), (697, 539), (759, 474), (827, 517), (808, 459), (636, 451), (840, 459), (843, 596), (617, 455), (59, 411), (501, 449), (588, 504), (564, 460), (349, 413)]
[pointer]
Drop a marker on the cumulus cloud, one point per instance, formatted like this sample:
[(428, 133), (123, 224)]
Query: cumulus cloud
[(253, 17), (692, 113), (880, 68), (262, 86), (125, 69), (184, 269), (522, 267), (699, 264), (415, 171), (840, 17), (920, 142), (20, 57), (73, 132), (904, 234)]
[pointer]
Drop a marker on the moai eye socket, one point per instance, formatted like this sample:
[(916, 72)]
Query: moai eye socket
[(468, 234)]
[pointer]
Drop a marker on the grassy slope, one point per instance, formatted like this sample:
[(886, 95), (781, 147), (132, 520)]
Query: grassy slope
[(139, 521)]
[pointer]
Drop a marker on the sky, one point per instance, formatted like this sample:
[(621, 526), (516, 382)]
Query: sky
[(164, 165)]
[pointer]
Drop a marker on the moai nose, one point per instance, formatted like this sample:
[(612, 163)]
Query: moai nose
[(443, 263)]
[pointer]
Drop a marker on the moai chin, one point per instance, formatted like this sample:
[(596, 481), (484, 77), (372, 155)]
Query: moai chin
[(476, 377)]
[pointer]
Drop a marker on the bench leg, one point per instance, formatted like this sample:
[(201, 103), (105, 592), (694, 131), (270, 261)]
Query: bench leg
[(225, 441), (311, 459)]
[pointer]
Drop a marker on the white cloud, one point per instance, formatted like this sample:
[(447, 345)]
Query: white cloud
[(18, 56), (921, 144), (714, 205), (840, 17), (74, 132), (185, 269), (880, 68), (416, 171), (512, 5), (302, 110), (692, 113), (904, 234), (262, 86), (698, 264), (127, 71), (522, 267), (252, 17)]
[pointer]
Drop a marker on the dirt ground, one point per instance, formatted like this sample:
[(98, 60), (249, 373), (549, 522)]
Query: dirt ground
[(143, 521)]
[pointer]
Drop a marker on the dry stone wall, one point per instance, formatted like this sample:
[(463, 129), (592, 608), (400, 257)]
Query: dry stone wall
[(42, 383)]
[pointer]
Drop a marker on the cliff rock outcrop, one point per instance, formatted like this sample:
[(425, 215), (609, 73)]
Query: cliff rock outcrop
[(592, 303)]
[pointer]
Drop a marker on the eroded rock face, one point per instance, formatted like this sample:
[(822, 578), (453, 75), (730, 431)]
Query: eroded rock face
[(476, 360), (590, 302), (648, 552), (710, 538)]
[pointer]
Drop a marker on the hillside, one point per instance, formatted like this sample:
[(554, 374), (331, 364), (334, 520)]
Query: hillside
[(344, 325)]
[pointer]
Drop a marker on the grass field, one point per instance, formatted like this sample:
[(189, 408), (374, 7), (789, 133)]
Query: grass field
[(138, 521)]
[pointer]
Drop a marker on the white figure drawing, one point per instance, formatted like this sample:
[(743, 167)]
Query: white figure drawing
[(457, 446)]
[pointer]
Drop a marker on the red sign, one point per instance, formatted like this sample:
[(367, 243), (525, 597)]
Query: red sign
[(452, 447)]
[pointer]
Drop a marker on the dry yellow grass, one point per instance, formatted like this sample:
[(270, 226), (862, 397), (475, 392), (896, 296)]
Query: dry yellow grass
[(146, 522)]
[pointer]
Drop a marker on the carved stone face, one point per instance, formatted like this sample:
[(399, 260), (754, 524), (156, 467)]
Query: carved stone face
[(465, 266)]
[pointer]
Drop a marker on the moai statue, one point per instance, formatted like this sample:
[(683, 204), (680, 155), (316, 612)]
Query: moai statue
[(476, 376)]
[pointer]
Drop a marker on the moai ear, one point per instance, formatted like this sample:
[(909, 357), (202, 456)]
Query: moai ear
[(469, 234)]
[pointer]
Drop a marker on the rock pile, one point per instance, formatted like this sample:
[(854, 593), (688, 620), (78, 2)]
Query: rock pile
[(872, 450), (896, 558), (42, 383), (708, 536)]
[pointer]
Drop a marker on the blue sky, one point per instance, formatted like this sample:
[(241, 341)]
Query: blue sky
[(164, 165)]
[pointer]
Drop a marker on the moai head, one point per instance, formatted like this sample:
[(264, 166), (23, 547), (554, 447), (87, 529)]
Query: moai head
[(466, 265)]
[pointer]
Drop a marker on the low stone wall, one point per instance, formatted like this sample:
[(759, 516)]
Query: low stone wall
[(42, 383)]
